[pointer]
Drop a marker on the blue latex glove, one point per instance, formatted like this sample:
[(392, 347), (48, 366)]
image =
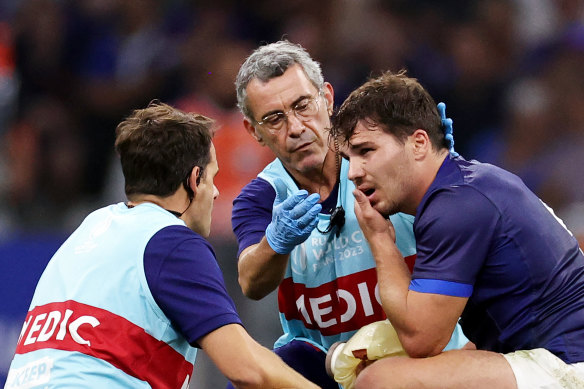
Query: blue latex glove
[(293, 218), (448, 131)]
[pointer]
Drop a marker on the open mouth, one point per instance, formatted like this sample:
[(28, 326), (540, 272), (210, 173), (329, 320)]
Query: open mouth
[(368, 192)]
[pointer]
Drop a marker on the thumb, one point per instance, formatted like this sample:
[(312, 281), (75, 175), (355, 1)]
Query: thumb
[(442, 110), (361, 202), (363, 206), (281, 191), (360, 198)]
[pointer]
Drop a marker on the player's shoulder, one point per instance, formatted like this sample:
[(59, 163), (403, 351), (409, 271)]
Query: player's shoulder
[(460, 183), (172, 237), (456, 199), (485, 177), (457, 211)]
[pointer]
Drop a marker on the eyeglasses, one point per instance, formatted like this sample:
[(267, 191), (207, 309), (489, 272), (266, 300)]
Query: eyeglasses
[(304, 110)]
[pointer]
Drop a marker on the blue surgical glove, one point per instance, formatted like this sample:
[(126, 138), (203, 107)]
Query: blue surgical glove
[(447, 126), (293, 218)]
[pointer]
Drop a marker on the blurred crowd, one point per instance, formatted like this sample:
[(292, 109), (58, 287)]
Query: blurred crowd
[(510, 71)]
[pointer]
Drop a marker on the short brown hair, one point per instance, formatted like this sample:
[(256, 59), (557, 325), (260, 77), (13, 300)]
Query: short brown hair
[(159, 146), (396, 102)]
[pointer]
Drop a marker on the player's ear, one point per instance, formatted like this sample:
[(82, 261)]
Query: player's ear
[(251, 129), (420, 143)]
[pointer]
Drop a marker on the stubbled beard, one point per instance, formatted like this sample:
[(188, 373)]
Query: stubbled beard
[(392, 209), (386, 213)]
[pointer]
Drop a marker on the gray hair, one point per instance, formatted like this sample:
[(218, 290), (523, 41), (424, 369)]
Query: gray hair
[(270, 61)]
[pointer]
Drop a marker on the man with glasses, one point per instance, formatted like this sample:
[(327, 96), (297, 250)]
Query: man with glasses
[(295, 222)]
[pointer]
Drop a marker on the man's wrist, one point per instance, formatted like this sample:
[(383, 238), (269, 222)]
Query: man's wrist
[(382, 246), (274, 244)]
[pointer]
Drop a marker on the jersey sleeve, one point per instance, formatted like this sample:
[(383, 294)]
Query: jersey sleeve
[(453, 233), (252, 212), (186, 282)]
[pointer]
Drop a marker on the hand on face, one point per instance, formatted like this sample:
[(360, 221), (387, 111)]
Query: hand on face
[(376, 228)]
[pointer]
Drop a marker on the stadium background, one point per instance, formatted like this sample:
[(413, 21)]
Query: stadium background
[(510, 72)]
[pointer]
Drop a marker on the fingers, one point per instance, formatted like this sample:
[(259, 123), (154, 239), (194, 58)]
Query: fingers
[(442, 110), (310, 218), (364, 210), (361, 201), (368, 217), (447, 127), (303, 205), (360, 196), (281, 191), (448, 123), (293, 201), (293, 218)]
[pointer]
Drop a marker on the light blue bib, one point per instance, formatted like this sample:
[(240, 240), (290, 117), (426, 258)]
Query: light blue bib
[(99, 270), (330, 287)]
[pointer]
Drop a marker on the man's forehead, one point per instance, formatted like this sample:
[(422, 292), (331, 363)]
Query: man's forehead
[(364, 131)]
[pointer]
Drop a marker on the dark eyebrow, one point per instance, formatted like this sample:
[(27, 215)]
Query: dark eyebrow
[(358, 146), (294, 103), (354, 147)]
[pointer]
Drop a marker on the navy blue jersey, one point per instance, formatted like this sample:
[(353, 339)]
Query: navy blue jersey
[(481, 233), (187, 283)]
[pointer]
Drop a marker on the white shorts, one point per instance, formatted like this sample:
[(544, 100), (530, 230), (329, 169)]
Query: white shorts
[(540, 369)]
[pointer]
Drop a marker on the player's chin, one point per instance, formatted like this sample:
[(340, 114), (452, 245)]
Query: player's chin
[(386, 208), (382, 208)]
